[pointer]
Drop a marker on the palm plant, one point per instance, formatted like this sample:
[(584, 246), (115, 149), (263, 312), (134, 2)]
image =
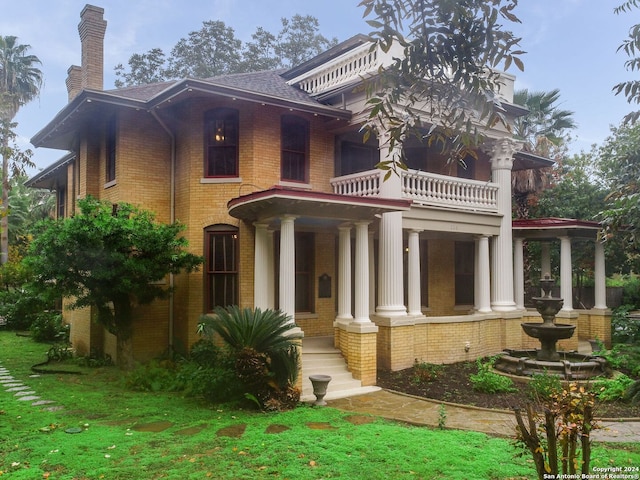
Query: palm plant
[(20, 82), (265, 347), (542, 130)]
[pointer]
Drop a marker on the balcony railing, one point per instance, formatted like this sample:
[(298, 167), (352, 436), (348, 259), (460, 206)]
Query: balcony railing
[(428, 189), (361, 62)]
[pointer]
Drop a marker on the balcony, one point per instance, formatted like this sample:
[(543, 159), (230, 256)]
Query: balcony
[(361, 62), (425, 189)]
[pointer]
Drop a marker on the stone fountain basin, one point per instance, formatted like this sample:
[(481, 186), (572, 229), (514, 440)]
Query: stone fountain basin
[(559, 331)]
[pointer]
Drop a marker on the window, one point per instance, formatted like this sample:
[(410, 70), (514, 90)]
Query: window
[(221, 254), (356, 157), (464, 267), (468, 170), (294, 143), (61, 201), (110, 173), (221, 143), (304, 272)]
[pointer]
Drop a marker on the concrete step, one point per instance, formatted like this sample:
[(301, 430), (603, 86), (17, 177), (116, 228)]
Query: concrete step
[(320, 357)]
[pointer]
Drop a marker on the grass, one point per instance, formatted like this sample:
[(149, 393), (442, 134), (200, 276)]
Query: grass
[(318, 443)]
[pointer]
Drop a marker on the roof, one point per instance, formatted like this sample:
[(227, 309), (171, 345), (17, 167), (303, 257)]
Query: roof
[(278, 201), (266, 87), (47, 177), (551, 228)]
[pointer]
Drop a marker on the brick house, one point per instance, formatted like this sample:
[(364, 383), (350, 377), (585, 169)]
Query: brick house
[(279, 193)]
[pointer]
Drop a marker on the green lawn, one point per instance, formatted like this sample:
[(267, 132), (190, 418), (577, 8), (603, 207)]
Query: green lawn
[(306, 443)]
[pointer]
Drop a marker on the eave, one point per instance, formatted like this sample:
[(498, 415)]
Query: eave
[(276, 202)]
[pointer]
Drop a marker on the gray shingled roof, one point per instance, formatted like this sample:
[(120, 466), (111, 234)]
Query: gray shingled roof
[(268, 82)]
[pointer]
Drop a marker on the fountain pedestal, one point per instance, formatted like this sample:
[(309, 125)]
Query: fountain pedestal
[(547, 359)]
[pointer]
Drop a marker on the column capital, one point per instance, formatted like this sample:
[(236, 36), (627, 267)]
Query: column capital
[(502, 152)]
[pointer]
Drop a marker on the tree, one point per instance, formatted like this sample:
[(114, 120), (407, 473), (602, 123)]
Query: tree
[(27, 206), (144, 68), (545, 124), (631, 47), (20, 82), (110, 257), (543, 131), (211, 51), (620, 171), (299, 40), (446, 72), (214, 50)]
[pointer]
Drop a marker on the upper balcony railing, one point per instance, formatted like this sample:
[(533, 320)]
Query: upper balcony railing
[(362, 61), (428, 189)]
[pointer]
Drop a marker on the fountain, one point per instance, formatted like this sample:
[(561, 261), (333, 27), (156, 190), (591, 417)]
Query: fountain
[(547, 359)]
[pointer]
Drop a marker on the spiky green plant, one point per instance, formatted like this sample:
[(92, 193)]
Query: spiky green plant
[(268, 333)]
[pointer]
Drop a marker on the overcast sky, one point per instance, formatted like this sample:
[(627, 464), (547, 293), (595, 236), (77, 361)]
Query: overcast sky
[(570, 44)]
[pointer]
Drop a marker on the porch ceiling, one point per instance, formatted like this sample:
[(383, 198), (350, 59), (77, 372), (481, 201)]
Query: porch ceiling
[(278, 201)]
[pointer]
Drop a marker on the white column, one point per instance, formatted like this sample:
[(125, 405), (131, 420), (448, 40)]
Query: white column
[(545, 259), (413, 273), (362, 273), (344, 274), (390, 274), (482, 275), (518, 272), (390, 281), (566, 284), (288, 267), (261, 267), (372, 274), (600, 277), (271, 274), (502, 248)]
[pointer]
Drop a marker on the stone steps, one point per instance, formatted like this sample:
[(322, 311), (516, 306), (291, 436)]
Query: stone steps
[(320, 357)]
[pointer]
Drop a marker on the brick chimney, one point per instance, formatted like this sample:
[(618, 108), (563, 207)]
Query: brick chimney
[(74, 81), (92, 28)]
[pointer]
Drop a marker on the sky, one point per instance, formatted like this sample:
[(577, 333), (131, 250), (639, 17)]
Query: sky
[(571, 45)]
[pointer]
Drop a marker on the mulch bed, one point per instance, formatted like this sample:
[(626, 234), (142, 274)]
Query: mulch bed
[(453, 384)]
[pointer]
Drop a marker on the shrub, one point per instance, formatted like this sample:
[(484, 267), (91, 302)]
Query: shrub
[(543, 385), (264, 350), (48, 327), (633, 392), (631, 291), (21, 307), (154, 376), (612, 389), (425, 372), (487, 381), (624, 357), (623, 328)]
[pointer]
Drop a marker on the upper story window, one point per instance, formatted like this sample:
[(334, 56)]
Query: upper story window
[(468, 168), (221, 156), (357, 157), (110, 171), (295, 149)]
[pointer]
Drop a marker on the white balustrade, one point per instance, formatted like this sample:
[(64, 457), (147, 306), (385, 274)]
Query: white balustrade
[(429, 189), (353, 65)]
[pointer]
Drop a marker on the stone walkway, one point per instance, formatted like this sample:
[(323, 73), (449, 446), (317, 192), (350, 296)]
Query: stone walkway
[(24, 393), (420, 411)]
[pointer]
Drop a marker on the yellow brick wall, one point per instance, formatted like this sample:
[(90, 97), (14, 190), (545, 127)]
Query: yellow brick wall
[(361, 357), (441, 269)]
